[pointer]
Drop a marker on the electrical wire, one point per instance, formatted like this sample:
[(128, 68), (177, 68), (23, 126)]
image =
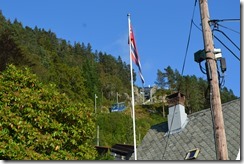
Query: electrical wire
[(189, 38), (221, 78), (225, 20), (223, 81), (219, 39), (218, 74), (229, 29), (211, 89), (166, 145), (216, 25), (211, 108), (227, 47), (202, 69), (197, 26), (212, 114), (226, 37), (183, 67)]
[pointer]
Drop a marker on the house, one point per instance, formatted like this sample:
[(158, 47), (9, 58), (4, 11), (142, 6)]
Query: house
[(118, 151), (148, 92), (122, 151), (192, 135)]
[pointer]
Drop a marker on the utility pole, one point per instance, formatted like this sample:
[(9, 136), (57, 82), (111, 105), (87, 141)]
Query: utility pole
[(211, 68)]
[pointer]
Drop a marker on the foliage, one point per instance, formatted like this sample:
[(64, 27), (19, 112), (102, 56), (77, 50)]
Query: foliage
[(161, 79), (106, 156), (49, 115), (81, 73), (227, 95), (75, 69), (196, 90), (117, 127), (39, 123)]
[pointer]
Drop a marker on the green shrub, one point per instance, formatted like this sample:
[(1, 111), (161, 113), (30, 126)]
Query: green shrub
[(39, 123)]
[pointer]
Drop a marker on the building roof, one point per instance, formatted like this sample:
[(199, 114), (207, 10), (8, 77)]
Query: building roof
[(198, 133), (119, 151), (122, 149)]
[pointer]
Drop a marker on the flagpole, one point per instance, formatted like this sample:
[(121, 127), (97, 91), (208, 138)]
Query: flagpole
[(132, 92)]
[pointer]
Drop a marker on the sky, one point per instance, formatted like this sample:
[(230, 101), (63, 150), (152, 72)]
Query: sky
[(161, 29)]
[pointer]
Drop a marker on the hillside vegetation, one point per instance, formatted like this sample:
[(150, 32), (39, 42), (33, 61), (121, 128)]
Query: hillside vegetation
[(47, 96)]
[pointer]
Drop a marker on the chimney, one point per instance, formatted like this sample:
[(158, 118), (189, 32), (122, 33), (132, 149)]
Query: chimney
[(177, 117)]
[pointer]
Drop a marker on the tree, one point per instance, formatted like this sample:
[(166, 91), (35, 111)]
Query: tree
[(172, 77), (39, 123), (75, 69), (227, 95), (69, 80), (196, 90), (161, 79), (114, 75), (196, 101)]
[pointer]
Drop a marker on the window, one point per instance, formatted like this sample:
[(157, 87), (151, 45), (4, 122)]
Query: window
[(192, 154)]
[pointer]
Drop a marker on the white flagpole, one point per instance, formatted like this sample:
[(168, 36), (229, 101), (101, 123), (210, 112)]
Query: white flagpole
[(132, 92)]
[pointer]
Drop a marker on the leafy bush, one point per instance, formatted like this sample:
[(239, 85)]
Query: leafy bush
[(39, 123), (117, 127)]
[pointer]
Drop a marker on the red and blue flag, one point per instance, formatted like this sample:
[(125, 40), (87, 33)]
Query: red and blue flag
[(134, 53)]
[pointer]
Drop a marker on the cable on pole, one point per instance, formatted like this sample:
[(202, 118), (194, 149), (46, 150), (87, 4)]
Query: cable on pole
[(229, 29), (225, 20), (212, 114), (227, 48), (202, 69), (226, 37)]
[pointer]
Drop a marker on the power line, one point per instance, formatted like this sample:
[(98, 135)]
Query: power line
[(197, 26), (227, 37), (169, 130), (227, 47), (229, 29), (225, 20), (183, 67), (189, 37), (219, 41), (187, 46), (166, 145)]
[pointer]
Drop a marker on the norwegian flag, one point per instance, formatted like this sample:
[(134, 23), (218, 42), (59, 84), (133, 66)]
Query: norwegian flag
[(134, 53)]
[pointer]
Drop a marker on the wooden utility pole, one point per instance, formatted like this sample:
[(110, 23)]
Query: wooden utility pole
[(222, 151)]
